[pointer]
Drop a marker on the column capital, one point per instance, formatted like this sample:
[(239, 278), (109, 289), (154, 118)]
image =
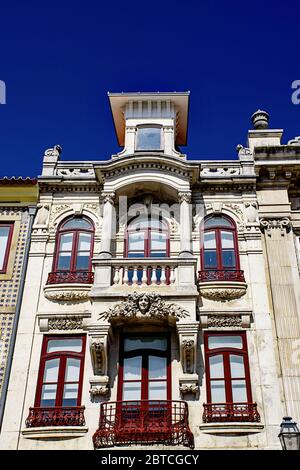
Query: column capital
[(281, 223), (108, 196), (184, 196)]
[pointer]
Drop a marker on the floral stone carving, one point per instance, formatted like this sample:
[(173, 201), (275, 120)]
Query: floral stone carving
[(143, 306)]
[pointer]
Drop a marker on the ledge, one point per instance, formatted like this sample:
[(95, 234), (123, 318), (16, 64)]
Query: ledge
[(54, 432), (67, 292), (231, 428)]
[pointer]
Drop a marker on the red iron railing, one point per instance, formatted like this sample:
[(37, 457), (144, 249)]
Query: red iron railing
[(56, 416), (66, 277), (236, 275), (230, 412), (143, 422)]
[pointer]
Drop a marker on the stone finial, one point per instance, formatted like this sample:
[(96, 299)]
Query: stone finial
[(260, 119)]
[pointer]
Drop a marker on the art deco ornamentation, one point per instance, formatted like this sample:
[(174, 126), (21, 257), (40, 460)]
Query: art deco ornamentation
[(224, 321), (283, 224), (141, 306), (65, 323)]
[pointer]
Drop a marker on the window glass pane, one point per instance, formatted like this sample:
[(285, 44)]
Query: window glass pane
[(217, 221), (64, 260), (131, 391), (228, 259), (217, 391), (148, 138), (77, 223), (130, 344), (51, 370), (239, 391), (136, 241), (157, 391), (225, 342), (4, 233), (133, 368), (209, 240), (210, 259), (158, 241), (66, 241), (216, 367), (70, 395), (227, 239), (84, 242), (72, 344), (237, 366), (72, 370), (83, 260), (157, 367), (48, 395)]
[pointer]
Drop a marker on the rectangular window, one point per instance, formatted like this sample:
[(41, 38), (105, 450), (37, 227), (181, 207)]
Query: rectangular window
[(148, 138), (6, 231), (227, 368), (61, 372)]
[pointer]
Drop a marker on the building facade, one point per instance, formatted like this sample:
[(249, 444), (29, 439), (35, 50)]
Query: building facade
[(18, 199), (161, 296)]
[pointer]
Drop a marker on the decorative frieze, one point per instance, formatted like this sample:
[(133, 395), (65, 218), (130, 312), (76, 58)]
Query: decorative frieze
[(65, 323), (221, 321), (229, 320)]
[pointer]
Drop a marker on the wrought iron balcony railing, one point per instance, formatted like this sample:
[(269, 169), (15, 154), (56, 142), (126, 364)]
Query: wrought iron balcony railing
[(209, 275), (230, 412), (68, 277), (56, 416), (143, 422)]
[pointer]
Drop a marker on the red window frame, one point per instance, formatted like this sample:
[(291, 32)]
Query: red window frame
[(217, 229), (145, 353), (63, 356), (225, 352), (8, 245), (147, 237), (76, 233)]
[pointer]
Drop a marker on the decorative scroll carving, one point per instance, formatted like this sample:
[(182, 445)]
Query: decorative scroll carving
[(54, 151), (69, 172), (283, 224), (295, 141), (142, 306), (224, 321), (109, 197), (184, 197), (65, 323), (189, 388)]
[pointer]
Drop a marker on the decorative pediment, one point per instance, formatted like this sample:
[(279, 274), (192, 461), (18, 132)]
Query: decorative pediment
[(144, 307)]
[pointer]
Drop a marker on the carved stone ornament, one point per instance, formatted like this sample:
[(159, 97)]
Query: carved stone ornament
[(109, 197), (184, 197), (251, 211), (283, 224), (223, 291), (98, 347), (188, 347), (188, 388), (144, 306), (54, 151), (65, 323), (64, 293), (42, 215), (99, 391), (220, 171), (218, 321)]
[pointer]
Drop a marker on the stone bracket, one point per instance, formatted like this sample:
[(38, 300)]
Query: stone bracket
[(188, 336), (189, 384), (99, 342), (99, 386)]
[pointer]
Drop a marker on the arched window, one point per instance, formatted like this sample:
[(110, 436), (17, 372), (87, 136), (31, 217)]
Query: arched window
[(74, 246), (219, 247), (147, 238)]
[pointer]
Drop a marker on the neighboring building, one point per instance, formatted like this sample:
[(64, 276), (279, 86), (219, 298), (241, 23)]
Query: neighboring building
[(161, 301), (18, 199)]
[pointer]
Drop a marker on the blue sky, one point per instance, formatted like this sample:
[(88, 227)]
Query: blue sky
[(59, 59)]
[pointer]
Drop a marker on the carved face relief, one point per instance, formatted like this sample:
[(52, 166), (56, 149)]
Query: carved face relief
[(144, 304)]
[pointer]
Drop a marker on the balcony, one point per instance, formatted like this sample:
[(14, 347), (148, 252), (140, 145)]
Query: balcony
[(143, 422), (222, 285), (57, 416), (230, 413), (68, 286), (158, 273)]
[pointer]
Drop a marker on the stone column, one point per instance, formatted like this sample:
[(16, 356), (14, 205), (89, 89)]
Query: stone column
[(185, 224), (108, 226)]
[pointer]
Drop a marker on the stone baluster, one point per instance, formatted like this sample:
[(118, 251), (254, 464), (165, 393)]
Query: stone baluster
[(117, 275), (135, 276), (153, 276), (163, 276), (144, 276), (172, 275), (125, 275)]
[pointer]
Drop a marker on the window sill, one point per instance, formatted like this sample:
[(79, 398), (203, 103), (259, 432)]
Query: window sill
[(54, 432), (231, 428)]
